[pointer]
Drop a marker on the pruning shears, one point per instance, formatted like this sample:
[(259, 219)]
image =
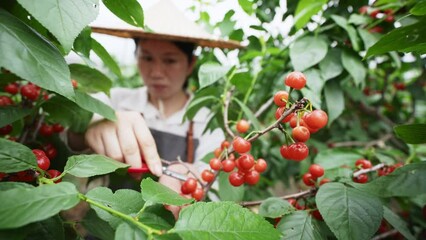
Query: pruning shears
[(145, 169)]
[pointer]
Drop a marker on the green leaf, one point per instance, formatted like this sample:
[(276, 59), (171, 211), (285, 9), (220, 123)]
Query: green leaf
[(91, 165), (404, 39), (335, 100), (419, 9), (34, 58), (357, 19), (307, 51), (64, 19), (211, 72), (127, 232), (335, 158), (48, 229), (314, 80), (400, 182), (355, 67), (197, 103), (158, 217), (15, 157), (298, 225), (248, 113), (313, 97), (83, 42), (274, 207), (97, 227), (104, 196), (331, 65), (90, 80), (411, 133), (247, 6), (10, 114), (227, 25), (227, 192), (67, 113), (242, 81), (106, 58), (343, 23), (305, 10), (26, 205), (396, 222), (154, 192), (4, 186), (350, 213), (222, 220), (91, 104), (129, 11), (369, 39)]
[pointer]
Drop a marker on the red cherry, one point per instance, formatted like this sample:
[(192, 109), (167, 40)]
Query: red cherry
[(46, 130), (376, 29), (363, 163), (252, 177), (363, 10), (316, 170), (12, 88), (57, 128), (292, 201), (198, 194), (217, 152), (324, 181), (53, 174), (228, 165), (215, 164), (242, 126), (30, 91), (390, 18), (280, 111), (245, 162), (189, 186), (301, 134), (298, 151), (260, 165), (225, 144), (363, 178), (51, 153), (308, 179), (207, 176), (5, 101), (236, 179), (285, 153), (281, 98), (25, 176), (43, 162), (374, 13), (6, 129), (296, 80), (316, 119), (317, 215), (241, 145)]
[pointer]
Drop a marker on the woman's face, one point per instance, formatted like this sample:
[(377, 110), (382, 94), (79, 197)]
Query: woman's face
[(164, 68)]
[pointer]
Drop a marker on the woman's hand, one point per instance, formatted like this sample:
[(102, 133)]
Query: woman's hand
[(126, 140)]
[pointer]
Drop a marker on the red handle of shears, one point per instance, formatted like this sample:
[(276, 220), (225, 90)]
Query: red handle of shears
[(143, 169)]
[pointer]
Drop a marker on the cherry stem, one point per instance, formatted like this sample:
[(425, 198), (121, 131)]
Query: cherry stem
[(294, 195), (367, 170)]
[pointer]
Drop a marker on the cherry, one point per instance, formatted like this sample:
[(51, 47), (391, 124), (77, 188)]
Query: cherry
[(376, 29), (225, 144), (298, 151), (363, 163), (51, 152), (308, 179), (363, 10), (292, 201), (242, 126), (217, 152), (245, 162), (25, 176), (316, 119), (30, 91), (207, 176), (43, 162), (389, 18), (53, 174), (6, 129), (46, 130), (74, 83), (301, 134), (12, 88), (281, 98), (316, 170), (363, 178), (236, 179), (252, 177), (285, 152), (317, 215), (228, 165), (260, 165), (215, 164), (189, 186), (324, 181), (57, 128), (280, 111), (5, 101), (241, 145), (198, 194), (296, 80), (374, 13)]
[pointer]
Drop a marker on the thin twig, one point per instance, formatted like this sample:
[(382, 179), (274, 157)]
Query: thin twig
[(225, 114), (264, 107), (385, 234), (367, 170), (369, 144), (294, 195)]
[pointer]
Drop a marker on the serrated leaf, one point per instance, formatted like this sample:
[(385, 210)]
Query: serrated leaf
[(404, 39), (298, 225), (335, 158), (127, 232), (64, 19), (400, 182), (26, 205), (91, 165), (305, 10), (154, 192), (355, 67), (274, 207), (106, 58), (105, 196), (335, 100), (10, 114), (227, 192), (15, 157), (349, 212), (34, 58), (211, 72), (91, 104), (331, 65), (90, 80), (307, 51), (411, 133), (157, 217), (129, 11), (396, 222), (222, 220)]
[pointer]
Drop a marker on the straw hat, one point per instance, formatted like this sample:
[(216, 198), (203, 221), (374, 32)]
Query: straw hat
[(167, 22)]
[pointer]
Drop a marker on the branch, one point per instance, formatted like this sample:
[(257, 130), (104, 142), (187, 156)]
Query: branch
[(385, 234), (264, 107), (367, 170), (225, 113), (294, 195), (369, 144)]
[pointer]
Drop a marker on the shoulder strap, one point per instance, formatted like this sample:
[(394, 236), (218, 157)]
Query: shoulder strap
[(190, 143)]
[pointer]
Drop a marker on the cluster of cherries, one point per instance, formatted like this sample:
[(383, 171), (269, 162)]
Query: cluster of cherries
[(190, 187), (30, 175), (387, 16)]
